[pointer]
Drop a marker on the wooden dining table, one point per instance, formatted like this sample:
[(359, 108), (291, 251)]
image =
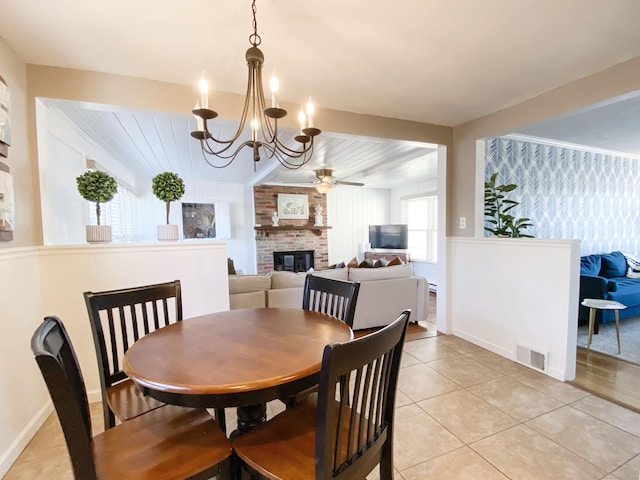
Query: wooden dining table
[(239, 358)]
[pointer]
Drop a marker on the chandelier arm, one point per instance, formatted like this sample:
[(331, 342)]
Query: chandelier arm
[(282, 157), (208, 148), (293, 152)]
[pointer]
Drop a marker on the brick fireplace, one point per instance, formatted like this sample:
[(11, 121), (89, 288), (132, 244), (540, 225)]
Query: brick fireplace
[(268, 242)]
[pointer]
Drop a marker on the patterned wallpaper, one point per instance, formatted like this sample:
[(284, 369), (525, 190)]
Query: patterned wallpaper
[(570, 193)]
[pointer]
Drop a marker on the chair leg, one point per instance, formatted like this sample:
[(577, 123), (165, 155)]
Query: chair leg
[(109, 417), (221, 419)]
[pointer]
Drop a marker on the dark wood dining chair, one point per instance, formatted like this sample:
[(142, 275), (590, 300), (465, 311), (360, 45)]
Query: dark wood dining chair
[(344, 431), (333, 297), (165, 443), (118, 319)]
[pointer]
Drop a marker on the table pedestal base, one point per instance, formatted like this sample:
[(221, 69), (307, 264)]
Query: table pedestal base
[(250, 416)]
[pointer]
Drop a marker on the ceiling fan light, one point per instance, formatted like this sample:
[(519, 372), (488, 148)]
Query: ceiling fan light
[(323, 188)]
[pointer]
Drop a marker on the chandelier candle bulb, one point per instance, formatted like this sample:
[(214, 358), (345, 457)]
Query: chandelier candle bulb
[(302, 118), (275, 84), (199, 120), (310, 110), (203, 86)]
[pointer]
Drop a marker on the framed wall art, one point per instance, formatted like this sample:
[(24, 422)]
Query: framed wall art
[(5, 120), (7, 205), (198, 220), (293, 206)]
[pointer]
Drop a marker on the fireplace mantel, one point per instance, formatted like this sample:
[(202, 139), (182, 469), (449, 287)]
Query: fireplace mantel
[(270, 228)]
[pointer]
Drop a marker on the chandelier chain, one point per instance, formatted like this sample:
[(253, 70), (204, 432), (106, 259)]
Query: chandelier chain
[(254, 38)]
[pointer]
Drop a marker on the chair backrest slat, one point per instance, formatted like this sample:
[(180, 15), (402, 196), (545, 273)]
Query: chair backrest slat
[(333, 297), (356, 401)]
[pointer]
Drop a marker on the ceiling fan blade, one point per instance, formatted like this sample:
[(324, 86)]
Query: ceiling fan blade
[(354, 184)]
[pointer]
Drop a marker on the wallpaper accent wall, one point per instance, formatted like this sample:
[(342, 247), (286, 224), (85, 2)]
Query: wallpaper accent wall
[(570, 193)]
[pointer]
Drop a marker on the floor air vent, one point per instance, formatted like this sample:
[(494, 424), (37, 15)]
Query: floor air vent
[(531, 358)]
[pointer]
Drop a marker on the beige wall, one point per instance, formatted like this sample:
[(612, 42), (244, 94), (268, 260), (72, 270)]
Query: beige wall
[(14, 72), (615, 81)]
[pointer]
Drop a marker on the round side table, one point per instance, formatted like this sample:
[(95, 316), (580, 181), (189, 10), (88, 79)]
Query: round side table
[(598, 304)]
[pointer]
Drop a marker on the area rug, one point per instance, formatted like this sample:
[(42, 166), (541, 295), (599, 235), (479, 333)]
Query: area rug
[(605, 341)]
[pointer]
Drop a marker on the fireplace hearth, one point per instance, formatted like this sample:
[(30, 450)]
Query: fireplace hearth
[(293, 261)]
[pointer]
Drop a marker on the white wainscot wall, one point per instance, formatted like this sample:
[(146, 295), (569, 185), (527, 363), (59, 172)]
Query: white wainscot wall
[(509, 292), (44, 281)]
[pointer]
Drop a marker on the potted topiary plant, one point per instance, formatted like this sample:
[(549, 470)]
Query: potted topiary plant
[(496, 208), (168, 187), (99, 187)]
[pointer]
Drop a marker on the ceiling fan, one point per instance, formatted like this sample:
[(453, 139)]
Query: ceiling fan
[(325, 181)]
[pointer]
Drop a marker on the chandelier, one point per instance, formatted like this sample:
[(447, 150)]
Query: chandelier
[(263, 120)]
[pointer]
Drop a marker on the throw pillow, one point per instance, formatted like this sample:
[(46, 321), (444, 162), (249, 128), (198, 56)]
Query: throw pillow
[(633, 265), (613, 265), (395, 261), (379, 263), (590, 265), (366, 263), (340, 265), (353, 263)]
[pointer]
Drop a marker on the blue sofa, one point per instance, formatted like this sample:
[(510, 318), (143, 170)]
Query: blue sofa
[(604, 276)]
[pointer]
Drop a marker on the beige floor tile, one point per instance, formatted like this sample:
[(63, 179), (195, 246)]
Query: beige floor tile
[(611, 413), (514, 397), (466, 416), (421, 382), (428, 349), (464, 370), (402, 399), (524, 454), (561, 391), (419, 438), (408, 360), (463, 464), (458, 344), (495, 361), (598, 442), (628, 471)]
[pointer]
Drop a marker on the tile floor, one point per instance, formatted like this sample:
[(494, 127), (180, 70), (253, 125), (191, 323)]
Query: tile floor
[(463, 413)]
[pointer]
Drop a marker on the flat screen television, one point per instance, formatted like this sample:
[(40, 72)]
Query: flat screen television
[(389, 236)]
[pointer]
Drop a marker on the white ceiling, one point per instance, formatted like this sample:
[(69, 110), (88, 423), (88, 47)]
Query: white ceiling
[(443, 62)]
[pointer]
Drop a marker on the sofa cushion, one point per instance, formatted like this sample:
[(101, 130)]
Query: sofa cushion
[(280, 279), (590, 265), (249, 283), (365, 274), (613, 265), (336, 274)]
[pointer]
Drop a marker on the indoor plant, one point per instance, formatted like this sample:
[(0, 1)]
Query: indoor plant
[(168, 187), (99, 187), (497, 207)]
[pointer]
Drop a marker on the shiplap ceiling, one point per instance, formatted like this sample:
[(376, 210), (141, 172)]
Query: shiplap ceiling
[(443, 62)]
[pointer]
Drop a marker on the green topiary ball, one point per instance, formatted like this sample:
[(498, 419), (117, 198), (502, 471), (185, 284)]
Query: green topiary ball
[(167, 186), (96, 186)]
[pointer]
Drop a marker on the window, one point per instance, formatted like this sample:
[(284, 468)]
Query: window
[(119, 213), (421, 215)]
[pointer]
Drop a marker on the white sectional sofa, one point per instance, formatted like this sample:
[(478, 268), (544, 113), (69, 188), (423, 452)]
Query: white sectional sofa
[(384, 292)]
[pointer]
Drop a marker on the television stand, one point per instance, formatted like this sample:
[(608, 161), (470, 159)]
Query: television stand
[(388, 254)]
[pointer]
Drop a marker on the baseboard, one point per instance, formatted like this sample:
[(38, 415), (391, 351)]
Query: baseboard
[(11, 454)]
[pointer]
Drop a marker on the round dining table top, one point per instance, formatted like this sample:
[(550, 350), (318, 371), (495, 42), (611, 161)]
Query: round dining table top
[(233, 354)]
